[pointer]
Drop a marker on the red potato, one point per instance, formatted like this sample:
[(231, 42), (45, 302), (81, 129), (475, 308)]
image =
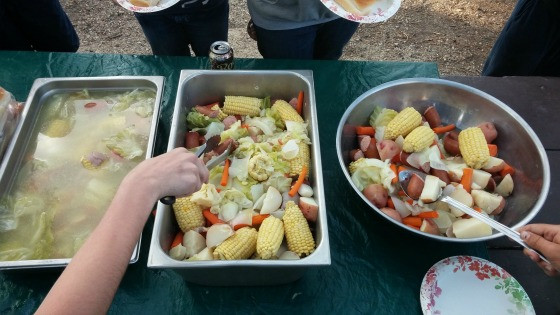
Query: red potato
[(441, 174), (356, 154), (309, 208), (451, 143), (500, 208), (489, 131), (394, 214), (432, 117), (430, 227), (364, 142), (371, 151), (491, 186), (376, 194), (387, 149), (207, 110), (192, 139), (415, 187)]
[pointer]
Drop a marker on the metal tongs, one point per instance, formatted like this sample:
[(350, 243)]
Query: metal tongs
[(208, 146)]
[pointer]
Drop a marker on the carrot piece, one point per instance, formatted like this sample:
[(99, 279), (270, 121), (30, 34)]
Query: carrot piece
[(390, 203), (493, 149), (394, 169), (410, 201), (365, 131), (238, 226), (443, 129), (177, 240), (477, 209), (414, 227), (414, 221), (299, 181), (299, 106), (212, 218), (508, 169), (466, 180), (225, 174), (428, 215), (259, 218), (401, 193), (244, 126)]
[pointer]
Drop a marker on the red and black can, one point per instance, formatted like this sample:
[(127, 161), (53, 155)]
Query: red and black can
[(221, 56)]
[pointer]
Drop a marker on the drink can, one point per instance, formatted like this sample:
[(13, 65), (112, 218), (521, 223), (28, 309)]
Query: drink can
[(221, 56)]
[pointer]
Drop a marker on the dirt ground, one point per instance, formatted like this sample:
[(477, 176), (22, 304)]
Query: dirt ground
[(456, 34)]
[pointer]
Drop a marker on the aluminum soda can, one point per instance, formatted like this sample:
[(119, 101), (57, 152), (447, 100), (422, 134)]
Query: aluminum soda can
[(221, 56)]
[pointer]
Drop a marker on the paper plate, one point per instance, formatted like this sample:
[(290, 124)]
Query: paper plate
[(162, 5), (383, 10), (471, 285)]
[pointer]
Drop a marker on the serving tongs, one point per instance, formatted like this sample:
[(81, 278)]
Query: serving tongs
[(404, 178), (208, 146)]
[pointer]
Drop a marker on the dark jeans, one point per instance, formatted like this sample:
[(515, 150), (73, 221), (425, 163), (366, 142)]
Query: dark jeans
[(194, 23), (40, 25), (529, 44), (321, 41)]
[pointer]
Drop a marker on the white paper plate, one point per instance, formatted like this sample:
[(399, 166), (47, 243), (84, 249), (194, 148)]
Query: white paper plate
[(471, 285), (162, 5), (383, 10)]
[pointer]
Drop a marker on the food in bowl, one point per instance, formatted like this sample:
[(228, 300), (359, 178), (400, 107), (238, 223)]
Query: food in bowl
[(144, 3), (357, 7), (82, 145), (258, 203), (462, 164)]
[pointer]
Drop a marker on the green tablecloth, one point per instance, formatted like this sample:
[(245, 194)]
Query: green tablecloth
[(376, 266)]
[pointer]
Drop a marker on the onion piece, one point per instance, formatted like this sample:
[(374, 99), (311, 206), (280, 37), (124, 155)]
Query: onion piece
[(272, 201), (290, 150), (218, 233), (400, 207)]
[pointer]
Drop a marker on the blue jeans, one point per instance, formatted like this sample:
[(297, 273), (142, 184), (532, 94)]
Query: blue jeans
[(40, 25), (197, 23), (529, 43), (320, 41)]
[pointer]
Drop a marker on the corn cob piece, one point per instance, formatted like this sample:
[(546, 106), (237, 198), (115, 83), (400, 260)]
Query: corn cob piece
[(473, 147), (188, 214), (221, 115), (302, 159), (271, 234), (286, 111), (405, 121), (418, 139), (242, 105), (58, 128), (240, 245), (298, 235)]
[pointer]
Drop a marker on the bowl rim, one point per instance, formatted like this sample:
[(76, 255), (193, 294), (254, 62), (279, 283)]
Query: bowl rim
[(540, 148)]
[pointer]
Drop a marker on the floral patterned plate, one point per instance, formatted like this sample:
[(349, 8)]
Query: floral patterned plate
[(162, 5), (471, 285), (383, 10)]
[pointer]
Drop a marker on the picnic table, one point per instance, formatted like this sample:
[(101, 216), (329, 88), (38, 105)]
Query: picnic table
[(376, 266)]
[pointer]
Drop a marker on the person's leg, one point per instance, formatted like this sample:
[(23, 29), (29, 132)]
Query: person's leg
[(44, 24), (286, 44), (164, 34), (529, 43), (207, 25), (12, 38), (332, 37)]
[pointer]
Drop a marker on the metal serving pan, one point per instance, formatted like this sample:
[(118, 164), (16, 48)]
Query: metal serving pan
[(41, 90), (204, 87)]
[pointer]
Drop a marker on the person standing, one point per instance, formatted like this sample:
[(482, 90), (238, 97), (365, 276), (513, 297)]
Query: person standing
[(298, 29), (36, 25), (194, 23)]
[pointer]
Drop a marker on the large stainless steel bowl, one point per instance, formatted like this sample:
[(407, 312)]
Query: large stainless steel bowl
[(465, 107)]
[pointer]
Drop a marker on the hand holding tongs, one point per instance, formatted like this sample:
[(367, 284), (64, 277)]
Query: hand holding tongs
[(208, 146)]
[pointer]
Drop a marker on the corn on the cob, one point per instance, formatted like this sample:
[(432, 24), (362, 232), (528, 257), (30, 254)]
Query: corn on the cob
[(221, 114), (473, 147), (302, 159), (418, 139), (240, 245), (405, 121), (286, 111), (242, 105), (298, 235), (271, 234), (58, 128), (188, 214)]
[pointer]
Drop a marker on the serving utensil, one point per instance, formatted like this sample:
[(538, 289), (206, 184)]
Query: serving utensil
[(207, 146), (404, 178)]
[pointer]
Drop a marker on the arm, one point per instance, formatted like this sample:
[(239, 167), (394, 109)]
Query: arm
[(546, 239), (90, 281)]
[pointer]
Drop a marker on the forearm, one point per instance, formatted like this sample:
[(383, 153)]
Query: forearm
[(91, 279)]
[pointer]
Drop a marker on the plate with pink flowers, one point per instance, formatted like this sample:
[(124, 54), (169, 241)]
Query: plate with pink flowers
[(379, 11), (146, 6), (471, 285)]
